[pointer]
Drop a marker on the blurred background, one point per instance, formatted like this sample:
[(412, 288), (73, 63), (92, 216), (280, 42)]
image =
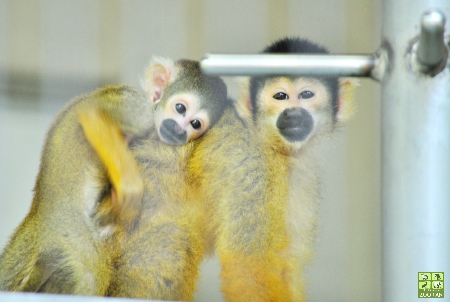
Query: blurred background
[(54, 50)]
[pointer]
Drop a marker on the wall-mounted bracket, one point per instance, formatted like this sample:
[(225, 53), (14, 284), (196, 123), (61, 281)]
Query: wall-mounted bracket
[(428, 53)]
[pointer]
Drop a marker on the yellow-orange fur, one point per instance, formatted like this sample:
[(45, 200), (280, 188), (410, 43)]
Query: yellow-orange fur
[(161, 257)]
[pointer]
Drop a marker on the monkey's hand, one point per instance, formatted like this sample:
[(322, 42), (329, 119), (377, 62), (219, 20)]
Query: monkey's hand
[(105, 137), (127, 191)]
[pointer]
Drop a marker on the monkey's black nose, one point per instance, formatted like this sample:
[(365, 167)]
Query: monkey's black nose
[(172, 133), (176, 128), (295, 124)]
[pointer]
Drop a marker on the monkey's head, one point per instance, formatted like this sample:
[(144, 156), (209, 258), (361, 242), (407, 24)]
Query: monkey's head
[(295, 109), (187, 102)]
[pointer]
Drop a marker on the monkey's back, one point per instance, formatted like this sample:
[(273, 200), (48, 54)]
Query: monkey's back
[(69, 165), (71, 182), (159, 259)]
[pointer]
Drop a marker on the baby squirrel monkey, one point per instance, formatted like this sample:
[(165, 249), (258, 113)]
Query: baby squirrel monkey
[(65, 243), (160, 259), (294, 117)]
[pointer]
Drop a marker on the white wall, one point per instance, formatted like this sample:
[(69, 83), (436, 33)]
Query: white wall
[(3, 35), (69, 47)]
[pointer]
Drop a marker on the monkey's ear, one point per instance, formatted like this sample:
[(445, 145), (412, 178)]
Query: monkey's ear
[(346, 105), (243, 105), (160, 73)]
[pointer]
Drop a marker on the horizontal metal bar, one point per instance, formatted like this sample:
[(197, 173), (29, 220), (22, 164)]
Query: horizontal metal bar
[(289, 64)]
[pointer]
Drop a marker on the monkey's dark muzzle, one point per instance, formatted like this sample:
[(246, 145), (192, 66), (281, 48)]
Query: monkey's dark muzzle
[(295, 124), (172, 133)]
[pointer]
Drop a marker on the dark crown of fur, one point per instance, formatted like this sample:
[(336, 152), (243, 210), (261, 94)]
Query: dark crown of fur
[(211, 89), (294, 45)]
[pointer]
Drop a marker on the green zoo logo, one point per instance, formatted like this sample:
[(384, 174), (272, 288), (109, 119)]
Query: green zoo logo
[(431, 285)]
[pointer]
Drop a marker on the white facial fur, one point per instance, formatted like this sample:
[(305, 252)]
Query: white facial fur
[(319, 105), (191, 103)]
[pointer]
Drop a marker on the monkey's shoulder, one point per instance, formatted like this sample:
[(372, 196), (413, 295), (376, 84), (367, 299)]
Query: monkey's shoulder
[(155, 152), (229, 150)]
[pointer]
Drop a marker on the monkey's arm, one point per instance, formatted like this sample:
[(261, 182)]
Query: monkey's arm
[(105, 137)]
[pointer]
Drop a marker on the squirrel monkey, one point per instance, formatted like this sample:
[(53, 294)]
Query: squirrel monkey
[(65, 244), (160, 259), (295, 116), (263, 181)]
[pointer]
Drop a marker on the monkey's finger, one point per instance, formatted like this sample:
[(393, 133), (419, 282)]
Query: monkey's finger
[(114, 198)]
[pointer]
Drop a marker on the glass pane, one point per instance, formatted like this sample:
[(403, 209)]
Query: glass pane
[(52, 51)]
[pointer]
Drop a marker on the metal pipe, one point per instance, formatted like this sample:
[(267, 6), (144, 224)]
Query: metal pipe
[(415, 157), (431, 49), (277, 64)]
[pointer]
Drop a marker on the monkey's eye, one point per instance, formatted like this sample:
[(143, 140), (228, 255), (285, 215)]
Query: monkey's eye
[(306, 94), (180, 108), (281, 96), (196, 124)]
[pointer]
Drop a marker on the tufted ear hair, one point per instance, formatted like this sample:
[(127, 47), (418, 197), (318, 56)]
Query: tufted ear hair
[(160, 73), (243, 104), (346, 104)]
